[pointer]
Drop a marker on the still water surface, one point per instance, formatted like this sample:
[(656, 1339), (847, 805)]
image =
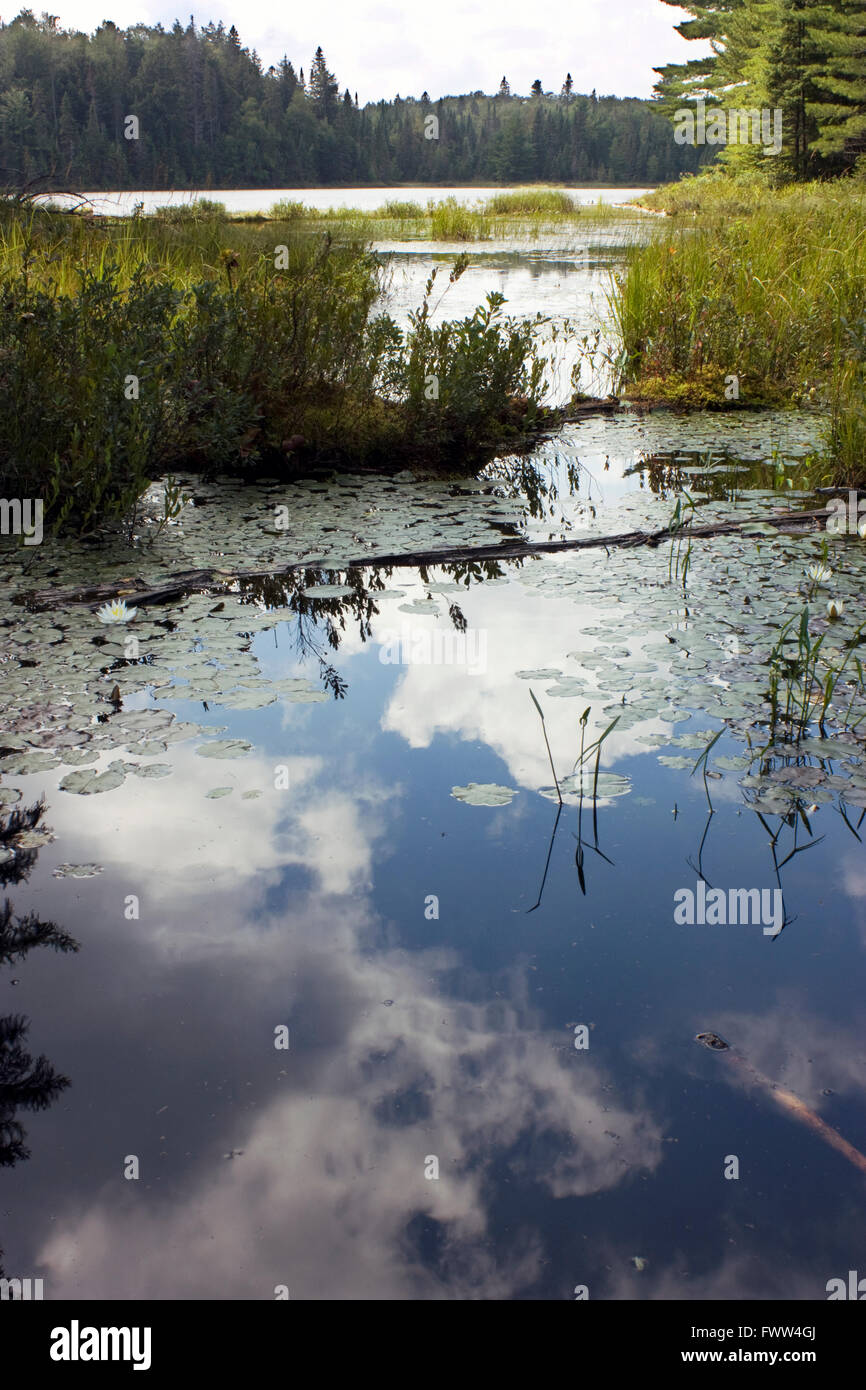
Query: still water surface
[(273, 837)]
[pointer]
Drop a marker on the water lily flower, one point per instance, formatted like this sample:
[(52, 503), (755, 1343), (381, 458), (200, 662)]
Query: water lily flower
[(116, 612), (861, 529), (835, 608), (820, 573)]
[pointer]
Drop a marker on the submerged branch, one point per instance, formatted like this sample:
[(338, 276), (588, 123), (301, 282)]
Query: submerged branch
[(218, 580)]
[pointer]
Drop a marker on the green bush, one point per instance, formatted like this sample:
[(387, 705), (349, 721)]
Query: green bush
[(132, 349)]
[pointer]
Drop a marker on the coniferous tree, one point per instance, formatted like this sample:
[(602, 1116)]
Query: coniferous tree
[(323, 89), (697, 77), (837, 29), (210, 117)]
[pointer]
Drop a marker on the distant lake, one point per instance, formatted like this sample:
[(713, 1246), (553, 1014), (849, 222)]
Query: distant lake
[(262, 199)]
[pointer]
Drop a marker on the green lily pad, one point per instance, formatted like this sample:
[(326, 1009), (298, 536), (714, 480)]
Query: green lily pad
[(87, 782), (484, 794), (225, 748), (328, 591), (32, 839), (22, 765)]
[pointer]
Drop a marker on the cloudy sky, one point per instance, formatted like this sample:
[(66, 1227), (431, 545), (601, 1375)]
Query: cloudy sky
[(452, 46)]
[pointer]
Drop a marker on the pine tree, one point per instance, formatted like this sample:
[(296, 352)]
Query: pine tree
[(504, 89), (837, 29), (567, 86), (535, 89), (697, 77), (323, 90)]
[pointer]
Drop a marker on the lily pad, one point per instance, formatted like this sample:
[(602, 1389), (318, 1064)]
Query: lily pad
[(328, 591), (484, 794), (22, 765), (32, 839), (225, 748), (87, 782)]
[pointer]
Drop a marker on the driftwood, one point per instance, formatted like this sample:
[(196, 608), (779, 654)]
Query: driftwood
[(135, 591)]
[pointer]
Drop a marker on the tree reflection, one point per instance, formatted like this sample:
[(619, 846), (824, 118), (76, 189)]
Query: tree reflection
[(26, 1083), (537, 485), (323, 621)]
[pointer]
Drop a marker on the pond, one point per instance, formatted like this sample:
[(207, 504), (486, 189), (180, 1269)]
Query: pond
[(316, 984)]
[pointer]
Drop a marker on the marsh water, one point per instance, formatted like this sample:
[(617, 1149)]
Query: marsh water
[(343, 1002)]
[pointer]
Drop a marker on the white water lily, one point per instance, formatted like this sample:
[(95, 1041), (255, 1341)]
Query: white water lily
[(116, 612), (835, 608), (820, 573)]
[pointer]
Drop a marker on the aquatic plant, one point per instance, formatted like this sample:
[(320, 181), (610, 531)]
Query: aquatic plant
[(682, 514), (806, 678), (116, 612)]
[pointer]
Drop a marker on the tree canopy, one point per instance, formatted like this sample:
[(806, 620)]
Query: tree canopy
[(208, 115)]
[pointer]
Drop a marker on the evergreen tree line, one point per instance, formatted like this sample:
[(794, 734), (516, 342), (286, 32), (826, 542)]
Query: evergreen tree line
[(208, 115), (806, 58)]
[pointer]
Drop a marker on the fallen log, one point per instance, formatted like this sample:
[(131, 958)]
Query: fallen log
[(135, 592)]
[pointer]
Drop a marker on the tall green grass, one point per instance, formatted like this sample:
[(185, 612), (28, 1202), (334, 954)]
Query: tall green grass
[(764, 286), (531, 202), (453, 221)]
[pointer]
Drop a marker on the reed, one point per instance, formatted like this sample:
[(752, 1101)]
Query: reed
[(751, 296)]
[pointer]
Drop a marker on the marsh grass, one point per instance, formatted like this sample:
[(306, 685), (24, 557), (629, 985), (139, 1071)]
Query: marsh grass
[(765, 286), (520, 212), (584, 755), (803, 680)]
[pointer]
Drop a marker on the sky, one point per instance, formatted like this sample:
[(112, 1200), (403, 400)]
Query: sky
[(453, 46)]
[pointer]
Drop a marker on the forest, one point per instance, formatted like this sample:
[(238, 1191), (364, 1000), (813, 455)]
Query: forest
[(207, 115)]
